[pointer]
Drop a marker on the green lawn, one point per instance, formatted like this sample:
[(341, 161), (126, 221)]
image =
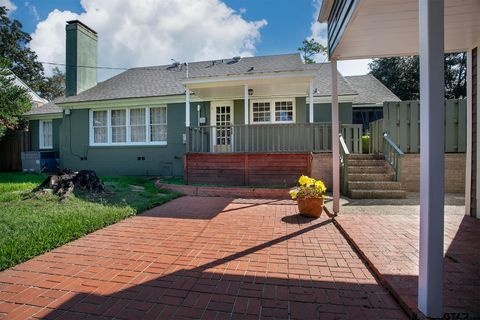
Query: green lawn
[(33, 224)]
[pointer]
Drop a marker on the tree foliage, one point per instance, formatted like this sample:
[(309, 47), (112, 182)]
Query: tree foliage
[(402, 75), (14, 100), (24, 62), (310, 48), (53, 86)]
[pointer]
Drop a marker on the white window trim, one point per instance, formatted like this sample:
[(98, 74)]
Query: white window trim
[(41, 141), (128, 140), (272, 110)]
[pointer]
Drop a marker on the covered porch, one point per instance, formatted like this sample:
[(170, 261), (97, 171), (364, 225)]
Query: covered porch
[(429, 28), (259, 113)]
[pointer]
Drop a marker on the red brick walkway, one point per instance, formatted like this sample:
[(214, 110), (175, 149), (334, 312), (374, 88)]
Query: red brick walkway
[(209, 258), (390, 244)]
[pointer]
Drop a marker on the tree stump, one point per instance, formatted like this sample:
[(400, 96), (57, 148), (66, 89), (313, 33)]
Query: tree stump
[(67, 181)]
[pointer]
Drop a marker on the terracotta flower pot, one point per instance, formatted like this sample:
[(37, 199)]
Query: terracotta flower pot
[(310, 207)]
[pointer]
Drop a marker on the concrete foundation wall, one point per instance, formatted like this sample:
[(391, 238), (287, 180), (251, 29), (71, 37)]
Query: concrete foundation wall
[(454, 172), (322, 168)]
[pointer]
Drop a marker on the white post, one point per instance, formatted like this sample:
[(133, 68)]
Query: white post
[(187, 107), (335, 139), (432, 153), (310, 95), (468, 163), (245, 98)]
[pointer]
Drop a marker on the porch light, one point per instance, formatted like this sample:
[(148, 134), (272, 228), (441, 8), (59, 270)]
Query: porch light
[(250, 92)]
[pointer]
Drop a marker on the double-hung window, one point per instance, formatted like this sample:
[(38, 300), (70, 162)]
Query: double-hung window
[(273, 111), (129, 126), (138, 128), (284, 111), (261, 112), (100, 127), (119, 126), (46, 134), (158, 124)]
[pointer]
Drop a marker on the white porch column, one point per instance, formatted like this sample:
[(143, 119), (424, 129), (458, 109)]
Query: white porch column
[(187, 107), (245, 99), (310, 96), (468, 164), (335, 139), (432, 153)]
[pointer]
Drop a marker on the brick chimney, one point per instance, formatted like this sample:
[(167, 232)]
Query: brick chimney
[(81, 58)]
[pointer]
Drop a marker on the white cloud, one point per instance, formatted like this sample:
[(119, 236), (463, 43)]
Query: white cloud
[(33, 10), (151, 32), (9, 5), (319, 33)]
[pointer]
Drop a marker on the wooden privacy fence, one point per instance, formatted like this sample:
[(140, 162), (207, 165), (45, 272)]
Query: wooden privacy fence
[(352, 135), (11, 147), (401, 120)]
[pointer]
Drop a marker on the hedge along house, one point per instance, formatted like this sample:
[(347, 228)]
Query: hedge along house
[(428, 28), (201, 120)]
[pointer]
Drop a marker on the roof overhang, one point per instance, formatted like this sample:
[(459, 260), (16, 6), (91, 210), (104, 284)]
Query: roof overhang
[(378, 28), (44, 116), (226, 81), (127, 102), (328, 99), (283, 84)]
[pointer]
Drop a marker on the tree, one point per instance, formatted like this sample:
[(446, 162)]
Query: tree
[(53, 86), (14, 47), (310, 48), (24, 64), (14, 100), (402, 75)]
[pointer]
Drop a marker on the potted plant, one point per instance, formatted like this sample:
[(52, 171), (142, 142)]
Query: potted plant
[(309, 196)]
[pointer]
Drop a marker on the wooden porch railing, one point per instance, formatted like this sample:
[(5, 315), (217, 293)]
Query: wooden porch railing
[(261, 138), (269, 138)]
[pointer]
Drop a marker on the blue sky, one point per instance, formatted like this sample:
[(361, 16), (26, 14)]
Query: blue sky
[(282, 25), (282, 33)]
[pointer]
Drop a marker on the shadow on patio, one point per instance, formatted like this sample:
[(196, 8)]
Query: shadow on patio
[(214, 290), (389, 244)]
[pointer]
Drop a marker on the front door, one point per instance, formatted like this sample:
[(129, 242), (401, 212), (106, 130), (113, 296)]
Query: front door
[(222, 119)]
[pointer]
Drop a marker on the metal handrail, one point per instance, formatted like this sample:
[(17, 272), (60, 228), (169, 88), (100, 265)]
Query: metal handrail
[(344, 154), (393, 155)]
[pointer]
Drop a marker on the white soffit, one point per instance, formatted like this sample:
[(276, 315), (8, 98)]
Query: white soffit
[(380, 28)]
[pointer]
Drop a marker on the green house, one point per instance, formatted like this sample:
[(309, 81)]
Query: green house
[(145, 121)]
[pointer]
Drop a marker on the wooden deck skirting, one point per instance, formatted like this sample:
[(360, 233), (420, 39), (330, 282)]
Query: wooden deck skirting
[(266, 169)]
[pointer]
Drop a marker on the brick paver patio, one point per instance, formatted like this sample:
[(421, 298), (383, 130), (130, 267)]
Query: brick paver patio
[(386, 234), (209, 258)]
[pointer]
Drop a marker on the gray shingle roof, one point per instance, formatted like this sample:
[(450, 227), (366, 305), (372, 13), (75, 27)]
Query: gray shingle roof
[(48, 108), (323, 81), (370, 90), (165, 80)]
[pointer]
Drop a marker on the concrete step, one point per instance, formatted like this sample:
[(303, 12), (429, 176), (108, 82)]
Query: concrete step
[(369, 169), (377, 194), (371, 176), (374, 185), (365, 162), (357, 156)]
